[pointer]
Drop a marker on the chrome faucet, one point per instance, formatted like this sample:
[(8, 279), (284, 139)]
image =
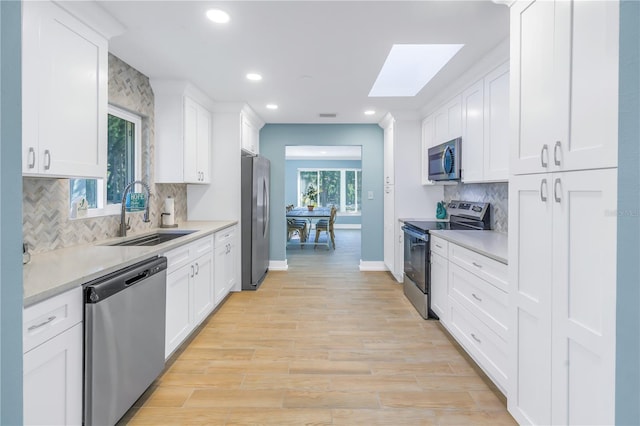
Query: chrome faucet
[(125, 226)]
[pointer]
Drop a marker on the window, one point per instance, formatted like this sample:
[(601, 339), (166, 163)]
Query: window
[(123, 165), (339, 187)]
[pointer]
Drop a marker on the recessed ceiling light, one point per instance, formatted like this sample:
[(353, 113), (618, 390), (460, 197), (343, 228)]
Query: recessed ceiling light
[(409, 67), (254, 76), (272, 106), (369, 112), (218, 16)]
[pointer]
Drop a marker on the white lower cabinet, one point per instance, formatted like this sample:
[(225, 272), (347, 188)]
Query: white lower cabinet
[(562, 243), (225, 263), (470, 295), (52, 370), (190, 294), (439, 278)]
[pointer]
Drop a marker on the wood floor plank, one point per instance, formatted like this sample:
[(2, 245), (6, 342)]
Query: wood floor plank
[(321, 344)]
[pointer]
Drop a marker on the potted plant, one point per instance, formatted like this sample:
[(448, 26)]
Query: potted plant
[(310, 196)]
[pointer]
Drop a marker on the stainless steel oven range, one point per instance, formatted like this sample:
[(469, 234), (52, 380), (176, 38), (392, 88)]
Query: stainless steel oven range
[(463, 215)]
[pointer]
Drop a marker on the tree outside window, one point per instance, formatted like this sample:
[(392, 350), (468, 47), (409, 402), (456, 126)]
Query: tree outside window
[(339, 187)]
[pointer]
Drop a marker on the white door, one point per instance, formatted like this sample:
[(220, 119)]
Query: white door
[(530, 279), (203, 296), (584, 297), (190, 166), (473, 133), (533, 86), (496, 129), (53, 380), (203, 150), (591, 139), (389, 228), (439, 287), (178, 321)]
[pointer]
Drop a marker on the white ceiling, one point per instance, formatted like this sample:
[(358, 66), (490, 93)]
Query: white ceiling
[(315, 56)]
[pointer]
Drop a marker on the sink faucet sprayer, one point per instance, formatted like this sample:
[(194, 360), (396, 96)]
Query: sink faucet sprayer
[(124, 226)]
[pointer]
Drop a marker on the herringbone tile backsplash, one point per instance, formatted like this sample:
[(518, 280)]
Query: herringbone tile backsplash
[(495, 193), (45, 203)]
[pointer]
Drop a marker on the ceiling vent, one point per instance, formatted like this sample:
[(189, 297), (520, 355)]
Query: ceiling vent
[(327, 115)]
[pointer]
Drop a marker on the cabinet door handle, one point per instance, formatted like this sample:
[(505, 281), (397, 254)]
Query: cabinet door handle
[(475, 338), (556, 193), (543, 196), (556, 160), (192, 271), (477, 265), (476, 297), (197, 268), (45, 322), (47, 159), (545, 148), (32, 158)]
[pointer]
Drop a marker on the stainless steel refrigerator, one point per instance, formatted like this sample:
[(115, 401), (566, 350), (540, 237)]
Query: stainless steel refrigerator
[(255, 221)]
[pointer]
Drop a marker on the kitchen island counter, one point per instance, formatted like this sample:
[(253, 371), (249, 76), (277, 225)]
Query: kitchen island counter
[(51, 273)]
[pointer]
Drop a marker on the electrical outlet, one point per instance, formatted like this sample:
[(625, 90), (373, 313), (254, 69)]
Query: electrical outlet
[(370, 195)]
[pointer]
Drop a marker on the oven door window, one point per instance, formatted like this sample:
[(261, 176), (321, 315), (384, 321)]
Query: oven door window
[(415, 260)]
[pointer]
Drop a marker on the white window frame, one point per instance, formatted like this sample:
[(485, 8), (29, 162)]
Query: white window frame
[(103, 208), (343, 187)]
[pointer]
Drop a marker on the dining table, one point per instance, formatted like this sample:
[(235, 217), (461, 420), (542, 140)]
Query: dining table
[(311, 215)]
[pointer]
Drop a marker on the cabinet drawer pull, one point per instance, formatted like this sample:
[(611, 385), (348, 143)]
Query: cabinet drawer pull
[(475, 338), (476, 297), (477, 265), (47, 159), (556, 194), (32, 158), (45, 322), (556, 160), (545, 148), (439, 246), (543, 196)]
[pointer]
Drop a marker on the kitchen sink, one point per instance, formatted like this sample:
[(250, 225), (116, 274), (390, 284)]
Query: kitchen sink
[(153, 239)]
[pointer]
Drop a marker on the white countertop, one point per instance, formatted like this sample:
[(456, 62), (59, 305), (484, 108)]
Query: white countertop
[(488, 243), (56, 271)]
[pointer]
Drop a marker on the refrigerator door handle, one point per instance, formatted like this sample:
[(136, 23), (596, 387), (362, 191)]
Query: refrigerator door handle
[(265, 206)]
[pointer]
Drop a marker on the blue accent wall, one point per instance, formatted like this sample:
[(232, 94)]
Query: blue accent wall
[(273, 140), (628, 285), (291, 180), (11, 293)]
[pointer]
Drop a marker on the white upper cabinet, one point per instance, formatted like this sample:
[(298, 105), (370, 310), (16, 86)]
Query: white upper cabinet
[(249, 134), (472, 146), (64, 94), (496, 124), (448, 121), (388, 124), (563, 120), (183, 133)]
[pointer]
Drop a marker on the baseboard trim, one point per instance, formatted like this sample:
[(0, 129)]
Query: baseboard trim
[(278, 265), (377, 266), (347, 226)]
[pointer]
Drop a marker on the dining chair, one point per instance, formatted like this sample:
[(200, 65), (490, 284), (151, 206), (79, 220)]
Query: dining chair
[(324, 225)]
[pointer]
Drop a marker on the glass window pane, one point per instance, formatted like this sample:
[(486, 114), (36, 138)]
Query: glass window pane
[(359, 190), (87, 188), (120, 158), (329, 188), (350, 185), (307, 178)]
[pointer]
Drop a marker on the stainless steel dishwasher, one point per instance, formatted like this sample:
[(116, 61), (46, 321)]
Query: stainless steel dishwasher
[(124, 338)]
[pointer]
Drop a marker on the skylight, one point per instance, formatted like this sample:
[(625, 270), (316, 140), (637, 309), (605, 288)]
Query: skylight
[(409, 67)]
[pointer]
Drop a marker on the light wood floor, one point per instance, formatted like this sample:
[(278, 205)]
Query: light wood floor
[(320, 344)]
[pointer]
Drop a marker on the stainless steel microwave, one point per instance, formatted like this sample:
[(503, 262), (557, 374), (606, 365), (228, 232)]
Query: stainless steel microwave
[(445, 161)]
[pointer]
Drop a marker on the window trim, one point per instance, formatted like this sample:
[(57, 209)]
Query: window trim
[(343, 193), (114, 209)]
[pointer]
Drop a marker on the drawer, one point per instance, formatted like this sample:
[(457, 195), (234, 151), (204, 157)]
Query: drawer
[(488, 269), (47, 319), (178, 257), (484, 346), (225, 236), (440, 246), (488, 303), (202, 246)]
